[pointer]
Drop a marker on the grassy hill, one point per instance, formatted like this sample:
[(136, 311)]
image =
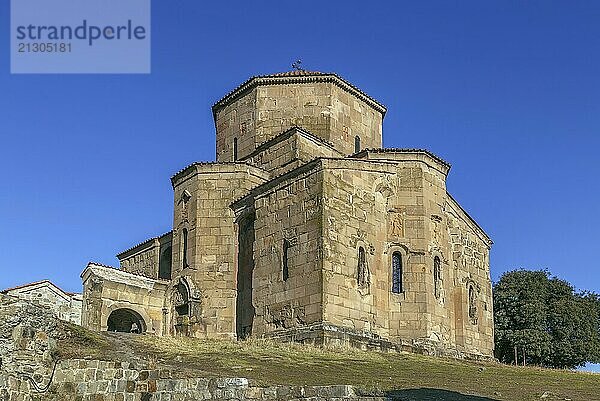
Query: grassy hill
[(269, 363)]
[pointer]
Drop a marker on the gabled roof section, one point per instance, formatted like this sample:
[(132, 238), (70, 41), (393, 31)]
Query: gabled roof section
[(119, 276), (297, 76), (149, 240), (38, 284), (285, 135)]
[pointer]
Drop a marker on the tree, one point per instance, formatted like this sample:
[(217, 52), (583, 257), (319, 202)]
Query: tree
[(546, 320)]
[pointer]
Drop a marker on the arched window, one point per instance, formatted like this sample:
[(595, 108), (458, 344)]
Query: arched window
[(284, 267), (184, 242), (437, 277), (235, 149), (181, 299), (362, 274), (472, 305), (164, 264), (397, 273), (356, 144)]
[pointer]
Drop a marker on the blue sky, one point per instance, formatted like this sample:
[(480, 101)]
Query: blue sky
[(507, 91)]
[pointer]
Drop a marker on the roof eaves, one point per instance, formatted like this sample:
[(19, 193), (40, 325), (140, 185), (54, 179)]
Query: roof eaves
[(143, 243), (403, 150), (186, 168), (275, 79)]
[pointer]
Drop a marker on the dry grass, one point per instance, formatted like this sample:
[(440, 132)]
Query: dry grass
[(268, 363)]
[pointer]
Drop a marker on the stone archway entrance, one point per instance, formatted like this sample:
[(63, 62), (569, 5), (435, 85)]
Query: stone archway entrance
[(126, 321)]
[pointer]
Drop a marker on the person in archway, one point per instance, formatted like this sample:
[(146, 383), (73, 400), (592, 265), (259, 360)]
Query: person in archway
[(135, 328)]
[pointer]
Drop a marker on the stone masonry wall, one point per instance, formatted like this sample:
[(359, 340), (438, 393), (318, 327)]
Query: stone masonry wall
[(64, 306), (322, 108), (386, 207), (210, 223), (470, 261), (31, 371), (352, 117), (279, 156), (290, 211), (355, 217), (28, 335), (107, 289), (290, 150), (143, 260), (237, 120), (92, 380), (280, 107)]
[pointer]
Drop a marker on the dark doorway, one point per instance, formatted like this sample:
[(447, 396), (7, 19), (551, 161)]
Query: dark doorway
[(244, 308), (126, 321)]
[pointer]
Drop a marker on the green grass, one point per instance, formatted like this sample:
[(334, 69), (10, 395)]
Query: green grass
[(270, 363)]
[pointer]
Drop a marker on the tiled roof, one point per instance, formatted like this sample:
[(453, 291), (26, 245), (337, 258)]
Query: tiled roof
[(215, 163), (115, 274), (141, 243), (102, 265), (46, 281), (294, 77), (294, 73), (403, 150), (18, 287)]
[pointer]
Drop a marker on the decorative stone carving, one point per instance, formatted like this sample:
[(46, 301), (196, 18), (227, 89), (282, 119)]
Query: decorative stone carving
[(396, 225)]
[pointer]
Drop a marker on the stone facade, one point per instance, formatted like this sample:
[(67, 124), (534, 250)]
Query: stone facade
[(137, 299), (65, 305), (306, 229)]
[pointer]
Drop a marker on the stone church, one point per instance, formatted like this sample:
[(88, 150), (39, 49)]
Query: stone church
[(306, 229)]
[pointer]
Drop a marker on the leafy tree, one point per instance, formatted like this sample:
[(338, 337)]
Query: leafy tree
[(546, 320)]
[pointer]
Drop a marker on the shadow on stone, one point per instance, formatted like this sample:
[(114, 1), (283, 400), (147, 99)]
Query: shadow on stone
[(432, 394)]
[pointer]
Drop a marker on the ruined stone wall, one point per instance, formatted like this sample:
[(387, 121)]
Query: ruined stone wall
[(107, 289), (288, 221), (28, 335), (64, 306), (203, 196), (92, 380)]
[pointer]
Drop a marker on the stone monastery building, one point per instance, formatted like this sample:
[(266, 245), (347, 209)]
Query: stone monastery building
[(306, 229)]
